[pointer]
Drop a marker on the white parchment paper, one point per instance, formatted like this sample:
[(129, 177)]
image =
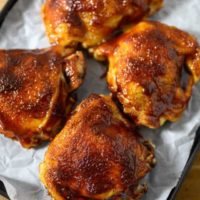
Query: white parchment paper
[(23, 28)]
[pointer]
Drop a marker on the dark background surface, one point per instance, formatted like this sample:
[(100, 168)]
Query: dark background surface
[(195, 148)]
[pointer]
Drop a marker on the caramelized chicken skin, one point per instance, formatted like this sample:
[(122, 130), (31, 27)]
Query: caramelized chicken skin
[(98, 155), (34, 92), (90, 22), (146, 67)]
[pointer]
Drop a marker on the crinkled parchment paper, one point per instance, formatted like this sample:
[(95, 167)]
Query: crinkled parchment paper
[(23, 28)]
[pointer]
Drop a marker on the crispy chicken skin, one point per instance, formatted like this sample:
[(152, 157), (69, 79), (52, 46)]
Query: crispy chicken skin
[(98, 155), (34, 92), (90, 22), (146, 69)]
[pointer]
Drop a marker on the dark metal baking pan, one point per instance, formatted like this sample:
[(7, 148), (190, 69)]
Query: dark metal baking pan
[(195, 148), (193, 153)]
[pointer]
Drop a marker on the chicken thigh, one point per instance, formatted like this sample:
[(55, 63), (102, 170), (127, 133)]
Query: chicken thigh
[(35, 88), (152, 68), (98, 155), (69, 22)]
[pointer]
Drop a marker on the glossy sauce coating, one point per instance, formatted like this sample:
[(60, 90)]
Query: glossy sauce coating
[(98, 155), (33, 93), (90, 22), (146, 71)]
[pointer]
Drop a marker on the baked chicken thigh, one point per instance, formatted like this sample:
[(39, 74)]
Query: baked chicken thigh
[(152, 68), (98, 155), (34, 92), (90, 22)]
